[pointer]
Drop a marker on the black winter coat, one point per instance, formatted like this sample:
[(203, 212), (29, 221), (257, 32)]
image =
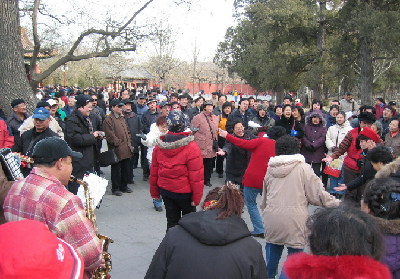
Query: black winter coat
[(80, 139), (133, 122), (149, 118), (237, 159), (28, 140), (203, 247), (288, 125)]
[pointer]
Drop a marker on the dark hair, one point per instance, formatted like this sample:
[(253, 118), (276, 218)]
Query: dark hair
[(334, 106), (316, 102), (161, 120), (344, 231), (287, 145), (381, 100), (337, 101), (275, 132), (236, 122), (382, 195), (251, 97), (285, 106), (198, 99), (365, 107), (300, 110), (397, 117), (229, 199), (380, 154), (393, 110), (277, 106), (288, 98), (222, 95), (243, 99)]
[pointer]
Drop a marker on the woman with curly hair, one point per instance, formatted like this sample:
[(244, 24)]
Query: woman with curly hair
[(382, 200), (213, 243)]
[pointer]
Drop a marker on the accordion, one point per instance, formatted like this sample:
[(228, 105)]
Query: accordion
[(10, 164)]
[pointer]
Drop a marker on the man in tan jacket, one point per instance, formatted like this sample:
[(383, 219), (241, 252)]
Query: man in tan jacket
[(119, 139), (290, 185)]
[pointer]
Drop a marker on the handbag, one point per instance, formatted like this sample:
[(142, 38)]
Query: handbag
[(107, 158), (215, 146)]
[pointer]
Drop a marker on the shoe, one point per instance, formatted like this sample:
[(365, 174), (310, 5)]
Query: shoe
[(261, 235), (159, 208), (127, 190), (220, 175), (117, 193), (208, 184), (145, 178)]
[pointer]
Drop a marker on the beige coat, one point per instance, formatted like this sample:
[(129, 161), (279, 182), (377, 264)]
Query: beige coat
[(290, 185), (203, 136), (118, 136)]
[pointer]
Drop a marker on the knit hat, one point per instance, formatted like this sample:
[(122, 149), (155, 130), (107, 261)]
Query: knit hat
[(262, 107), (82, 100), (369, 133), (366, 117), (30, 250), (177, 121), (16, 102)]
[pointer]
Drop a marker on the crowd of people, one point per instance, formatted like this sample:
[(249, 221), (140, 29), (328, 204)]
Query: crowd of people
[(292, 156)]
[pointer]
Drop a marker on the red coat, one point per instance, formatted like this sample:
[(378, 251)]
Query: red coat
[(262, 149), (6, 141), (304, 266), (177, 167)]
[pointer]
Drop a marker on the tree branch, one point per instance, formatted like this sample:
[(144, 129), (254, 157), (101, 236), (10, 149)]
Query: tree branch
[(36, 40)]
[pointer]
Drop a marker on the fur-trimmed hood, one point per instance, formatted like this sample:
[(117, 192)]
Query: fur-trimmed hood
[(305, 266), (185, 140), (313, 114), (388, 226), (391, 169), (281, 166)]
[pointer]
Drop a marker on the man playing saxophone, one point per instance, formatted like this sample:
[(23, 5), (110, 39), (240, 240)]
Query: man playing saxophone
[(42, 196)]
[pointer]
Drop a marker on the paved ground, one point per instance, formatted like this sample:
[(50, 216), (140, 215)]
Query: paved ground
[(136, 228)]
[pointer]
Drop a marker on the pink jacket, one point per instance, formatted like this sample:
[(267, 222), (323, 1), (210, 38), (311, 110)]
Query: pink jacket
[(203, 137)]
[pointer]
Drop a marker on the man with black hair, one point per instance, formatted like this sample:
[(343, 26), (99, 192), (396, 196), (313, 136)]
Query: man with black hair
[(287, 100), (241, 114), (392, 139), (218, 108), (387, 115), (17, 117), (196, 108), (82, 132), (348, 104)]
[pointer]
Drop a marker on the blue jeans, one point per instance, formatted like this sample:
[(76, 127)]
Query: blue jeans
[(273, 253), (250, 196), (334, 182), (158, 203)]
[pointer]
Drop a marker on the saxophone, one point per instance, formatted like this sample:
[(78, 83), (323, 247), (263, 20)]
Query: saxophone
[(101, 272)]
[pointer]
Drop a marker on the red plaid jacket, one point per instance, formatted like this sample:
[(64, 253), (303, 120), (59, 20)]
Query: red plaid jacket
[(40, 196)]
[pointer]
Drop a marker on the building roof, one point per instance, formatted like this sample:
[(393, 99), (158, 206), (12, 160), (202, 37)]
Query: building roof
[(136, 72), (27, 46)]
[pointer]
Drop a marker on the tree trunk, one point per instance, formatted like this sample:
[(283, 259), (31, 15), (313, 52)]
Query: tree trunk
[(13, 80), (367, 71), (319, 92)]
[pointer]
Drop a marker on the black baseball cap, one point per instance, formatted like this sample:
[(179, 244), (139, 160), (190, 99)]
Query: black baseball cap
[(116, 103), (82, 100), (141, 96), (51, 149), (127, 101), (392, 103)]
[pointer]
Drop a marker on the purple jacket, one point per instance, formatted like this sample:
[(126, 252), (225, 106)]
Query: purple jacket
[(313, 142), (392, 257)]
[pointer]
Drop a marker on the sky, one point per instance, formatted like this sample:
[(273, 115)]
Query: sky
[(203, 23)]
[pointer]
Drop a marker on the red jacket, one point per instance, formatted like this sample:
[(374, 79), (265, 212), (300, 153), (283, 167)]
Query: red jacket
[(262, 149), (177, 167), (304, 266), (6, 141)]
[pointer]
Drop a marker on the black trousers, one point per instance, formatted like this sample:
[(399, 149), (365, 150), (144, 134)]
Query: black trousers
[(131, 167), (316, 168), (208, 167), (119, 175), (353, 197), (143, 160), (176, 208)]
